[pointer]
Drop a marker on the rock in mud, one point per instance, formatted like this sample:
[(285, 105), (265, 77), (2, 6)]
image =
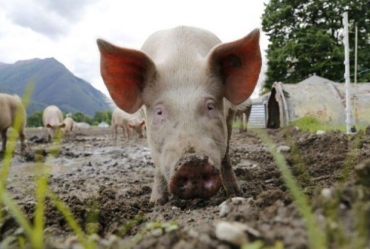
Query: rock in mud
[(227, 206), (232, 232), (283, 148)]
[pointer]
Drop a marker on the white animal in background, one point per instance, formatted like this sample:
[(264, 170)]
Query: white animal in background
[(242, 111), (67, 129), (128, 122), (10, 107), (52, 119)]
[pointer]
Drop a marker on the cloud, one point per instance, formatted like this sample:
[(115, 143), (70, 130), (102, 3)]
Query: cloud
[(67, 29), (48, 17)]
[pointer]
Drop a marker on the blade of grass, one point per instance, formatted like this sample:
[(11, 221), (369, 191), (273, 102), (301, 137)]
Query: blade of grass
[(17, 213), (39, 222), (76, 228), (5, 198), (40, 194), (317, 237)]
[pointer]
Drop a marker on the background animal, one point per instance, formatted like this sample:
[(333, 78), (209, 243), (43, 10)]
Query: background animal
[(52, 119), (10, 107), (128, 122), (242, 113)]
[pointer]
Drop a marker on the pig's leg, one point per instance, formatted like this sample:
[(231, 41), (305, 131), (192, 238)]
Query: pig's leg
[(48, 134), (247, 115), (228, 177), (3, 138), (22, 137), (125, 131), (159, 191), (114, 127), (239, 116)]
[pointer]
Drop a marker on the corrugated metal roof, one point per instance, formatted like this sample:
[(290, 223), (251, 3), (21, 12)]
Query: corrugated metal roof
[(257, 118)]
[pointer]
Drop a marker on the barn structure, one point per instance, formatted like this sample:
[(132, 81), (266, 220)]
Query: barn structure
[(319, 98)]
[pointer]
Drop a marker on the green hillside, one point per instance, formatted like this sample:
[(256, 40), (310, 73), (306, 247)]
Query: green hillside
[(54, 85)]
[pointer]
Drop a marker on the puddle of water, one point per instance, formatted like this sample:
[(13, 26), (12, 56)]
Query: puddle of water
[(51, 166)]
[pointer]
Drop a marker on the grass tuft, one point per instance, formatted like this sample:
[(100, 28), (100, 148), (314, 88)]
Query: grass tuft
[(317, 238)]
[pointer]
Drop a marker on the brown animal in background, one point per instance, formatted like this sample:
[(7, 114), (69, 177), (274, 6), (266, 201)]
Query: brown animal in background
[(10, 107), (187, 79)]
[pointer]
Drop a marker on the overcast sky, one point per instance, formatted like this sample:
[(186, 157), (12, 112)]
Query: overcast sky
[(67, 29)]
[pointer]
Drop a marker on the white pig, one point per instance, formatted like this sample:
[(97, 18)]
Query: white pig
[(128, 122), (10, 107), (52, 119), (240, 110), (187, 80), (67, 129)]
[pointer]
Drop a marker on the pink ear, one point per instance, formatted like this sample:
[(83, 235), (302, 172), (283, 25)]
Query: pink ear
[(239, 64), (124, 72)]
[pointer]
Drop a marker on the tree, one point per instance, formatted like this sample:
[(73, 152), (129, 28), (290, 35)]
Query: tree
[(102, 116), (306, 39), (35, 119), (80, 117)]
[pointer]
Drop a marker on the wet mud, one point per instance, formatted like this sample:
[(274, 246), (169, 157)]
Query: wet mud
[(107, 184)]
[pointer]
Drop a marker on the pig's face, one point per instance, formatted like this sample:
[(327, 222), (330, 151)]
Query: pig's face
[(186, 130), (55, 131), (138, 128), (182, 78)]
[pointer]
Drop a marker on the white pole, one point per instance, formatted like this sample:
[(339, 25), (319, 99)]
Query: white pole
[(355, 92), (346, 74)]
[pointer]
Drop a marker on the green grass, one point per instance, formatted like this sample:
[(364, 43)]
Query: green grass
[(316, 237), (34, 232), (312, 124)]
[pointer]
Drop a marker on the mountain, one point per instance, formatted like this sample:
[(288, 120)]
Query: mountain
[(54, 84)]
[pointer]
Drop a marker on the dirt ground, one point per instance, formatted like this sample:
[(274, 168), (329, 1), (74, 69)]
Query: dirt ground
[(107, 185)]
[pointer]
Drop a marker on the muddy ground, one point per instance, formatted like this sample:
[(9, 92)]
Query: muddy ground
[(107, 186)]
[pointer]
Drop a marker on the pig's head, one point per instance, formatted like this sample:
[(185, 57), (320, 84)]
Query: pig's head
[(56, 129), (138, 127), (183, 91)]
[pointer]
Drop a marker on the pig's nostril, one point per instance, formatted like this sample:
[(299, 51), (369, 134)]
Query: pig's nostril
[(183, 182)]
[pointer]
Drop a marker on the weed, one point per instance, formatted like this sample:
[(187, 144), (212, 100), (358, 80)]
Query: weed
[(317, 238)]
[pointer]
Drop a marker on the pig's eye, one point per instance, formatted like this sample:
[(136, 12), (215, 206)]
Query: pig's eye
[(159, 112), (210, 106)]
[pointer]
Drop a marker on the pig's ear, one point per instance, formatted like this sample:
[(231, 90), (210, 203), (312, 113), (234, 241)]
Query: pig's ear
[(238, 64), (124, 72)]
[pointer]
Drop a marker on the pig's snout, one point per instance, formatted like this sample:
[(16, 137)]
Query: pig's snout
[(195, 177)]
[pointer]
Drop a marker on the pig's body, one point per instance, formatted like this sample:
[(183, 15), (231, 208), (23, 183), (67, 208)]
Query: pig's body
[(241, 110), (187, 81), (68, 122), (10, 107), (52, 119), (128, 122)]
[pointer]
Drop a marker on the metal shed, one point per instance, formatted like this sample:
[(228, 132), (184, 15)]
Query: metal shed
[(258, 116), (319, 98)]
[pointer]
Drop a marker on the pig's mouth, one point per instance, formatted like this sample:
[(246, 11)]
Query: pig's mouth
[(195, 177)]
